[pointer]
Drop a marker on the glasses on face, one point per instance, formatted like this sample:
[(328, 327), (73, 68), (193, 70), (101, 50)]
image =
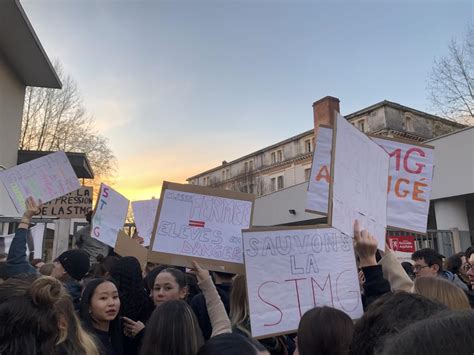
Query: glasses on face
[(467, 267), (417, 268)]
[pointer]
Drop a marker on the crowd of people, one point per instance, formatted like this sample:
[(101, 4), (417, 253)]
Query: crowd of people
[(90, 301)]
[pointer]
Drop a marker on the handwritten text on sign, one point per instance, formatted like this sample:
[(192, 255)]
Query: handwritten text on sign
[(45, 179), (202, 225), (409, 184), (109, 216), (73, 205), (291, 271), (317, 198)]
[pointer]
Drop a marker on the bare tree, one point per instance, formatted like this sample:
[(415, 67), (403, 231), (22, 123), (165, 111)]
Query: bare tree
[(451, 85), (57, 120)]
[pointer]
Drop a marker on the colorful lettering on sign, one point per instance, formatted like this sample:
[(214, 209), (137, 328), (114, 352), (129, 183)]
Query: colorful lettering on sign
[(323, 174), (97, 231), (404, 188), (397, 153)]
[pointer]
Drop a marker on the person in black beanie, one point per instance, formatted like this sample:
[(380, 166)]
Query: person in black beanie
[(70, 268)]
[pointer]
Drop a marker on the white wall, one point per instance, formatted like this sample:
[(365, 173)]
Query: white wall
[(451, 213), (12, 93), (273, 209), (454, 164)]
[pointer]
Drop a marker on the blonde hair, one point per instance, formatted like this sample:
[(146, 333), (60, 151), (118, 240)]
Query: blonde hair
[(443, 291), (72, 336), (239, 305)]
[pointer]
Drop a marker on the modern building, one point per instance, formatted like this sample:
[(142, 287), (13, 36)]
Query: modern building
[(23, 62), (288, 163)]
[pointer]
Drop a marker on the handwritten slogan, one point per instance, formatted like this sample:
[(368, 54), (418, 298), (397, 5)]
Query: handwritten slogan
[(44, 179), (144, 213), (73, 205), (317, 198), (409, 184), (205, 226), (291, 271), (359, 189), (109, 216)]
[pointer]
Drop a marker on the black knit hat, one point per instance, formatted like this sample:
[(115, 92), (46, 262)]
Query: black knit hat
[(75, 262)]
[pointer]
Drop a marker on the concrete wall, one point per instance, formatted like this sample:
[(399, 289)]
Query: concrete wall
[(454, 164), (12, 94), (273, 209), (451, 213)]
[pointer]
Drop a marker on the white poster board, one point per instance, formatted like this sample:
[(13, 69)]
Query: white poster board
[(294, 270), (204, 226), (409, 184), (359, 189), (109, 216), (317, 198), (44, 179), (144, 213), (36, 242)]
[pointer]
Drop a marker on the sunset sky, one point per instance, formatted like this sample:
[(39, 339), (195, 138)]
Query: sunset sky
[(177, 87)]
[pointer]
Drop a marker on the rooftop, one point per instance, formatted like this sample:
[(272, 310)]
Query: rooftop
[(21, 48)]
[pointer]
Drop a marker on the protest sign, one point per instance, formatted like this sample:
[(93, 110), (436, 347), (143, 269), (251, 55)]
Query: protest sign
[(292, 270), (34, 241), (409, 184), (73, 205), (144, 213), (402, 247), (317, 198), (126, 246), (44, 179), (202, 224), (109, 215), (359, 182)]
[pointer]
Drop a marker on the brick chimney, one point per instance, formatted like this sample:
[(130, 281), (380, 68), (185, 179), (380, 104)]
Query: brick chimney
[(323, 111)]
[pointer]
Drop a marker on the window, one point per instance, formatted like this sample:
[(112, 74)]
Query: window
[(280, 182), (244, 189), (246, 166), (223, 175), (273, 155), (227, 173), (251, 165), (307, 174), (307, 146), (272, 184), (251, 189), (279, 155), (361, 125), (409, 124)]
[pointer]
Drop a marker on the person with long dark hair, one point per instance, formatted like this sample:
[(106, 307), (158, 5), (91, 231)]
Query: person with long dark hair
[(99, 312), (136, 305)]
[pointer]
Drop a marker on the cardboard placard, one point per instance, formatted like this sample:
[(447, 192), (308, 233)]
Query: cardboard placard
[(317, 198), (126, 246), (292, 270), (202, 224), (144, 214), (73, 205), (44, 179), (358, 189), (109, 215)]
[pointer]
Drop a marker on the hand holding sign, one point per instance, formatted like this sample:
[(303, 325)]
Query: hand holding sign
[(365, 246), (32, 208), (201, 273)]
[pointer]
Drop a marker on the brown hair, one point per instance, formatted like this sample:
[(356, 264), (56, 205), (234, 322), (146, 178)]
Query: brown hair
[(443, 291), (239, 305), (325, 330), (46, 269)]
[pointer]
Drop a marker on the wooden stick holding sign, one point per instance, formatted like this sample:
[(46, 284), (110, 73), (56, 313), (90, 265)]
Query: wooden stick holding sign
[(294, 269), (202, 224)]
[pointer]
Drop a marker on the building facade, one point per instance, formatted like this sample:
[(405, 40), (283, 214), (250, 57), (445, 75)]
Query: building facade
[(288, 163)]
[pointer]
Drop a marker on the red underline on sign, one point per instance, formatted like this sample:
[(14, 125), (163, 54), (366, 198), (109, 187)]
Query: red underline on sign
[(196, 223)]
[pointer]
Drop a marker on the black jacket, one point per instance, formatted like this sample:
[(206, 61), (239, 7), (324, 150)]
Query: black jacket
[(198, 304)]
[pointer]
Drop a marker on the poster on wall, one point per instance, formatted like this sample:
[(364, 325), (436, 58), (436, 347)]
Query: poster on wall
[(294, 269), (203, 224)]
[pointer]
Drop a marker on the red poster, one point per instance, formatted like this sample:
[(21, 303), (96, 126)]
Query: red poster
[(403, 244)]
